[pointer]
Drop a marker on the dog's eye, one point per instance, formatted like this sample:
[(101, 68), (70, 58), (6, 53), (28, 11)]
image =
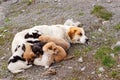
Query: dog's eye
[(80, 34)]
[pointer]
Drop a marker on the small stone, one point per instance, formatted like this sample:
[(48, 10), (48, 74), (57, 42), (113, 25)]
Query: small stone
[(109, 1), (100, 30), (83, 68), (118, 65), (105, 22), (1, 35), (117, 44), (5, 30), (112, 55), (93, 72), (70, 67), (2, 57), (23, 10), (101, 69), (80, 59), (99, 75), (93, 37)]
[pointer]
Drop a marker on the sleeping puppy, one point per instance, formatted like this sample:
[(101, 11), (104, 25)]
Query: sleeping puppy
[(59, 41), (47, 57), (16, 62), (52, 53), (33, 51)]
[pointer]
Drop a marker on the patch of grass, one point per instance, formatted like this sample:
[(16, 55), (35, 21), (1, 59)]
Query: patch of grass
[(101, 12), (6, 35), (103, 54), (81, 14), (117, 26), (7, 20), (108, 61), (115, 74), (77, 53), (116, 49), (103, 51), (30, 2)]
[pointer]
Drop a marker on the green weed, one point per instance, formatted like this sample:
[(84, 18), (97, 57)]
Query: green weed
[(103, 54), (117, 26), (115, 74), (77, 53), (108, 61), (7, 20), (81, 14), (5, 35), (101, 12)]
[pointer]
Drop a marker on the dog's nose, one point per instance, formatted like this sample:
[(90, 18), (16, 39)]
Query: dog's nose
[(87, 40)]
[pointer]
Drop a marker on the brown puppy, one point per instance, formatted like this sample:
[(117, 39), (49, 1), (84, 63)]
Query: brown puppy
[(52, 53), (32, 51), (59, 41), (28, 55)]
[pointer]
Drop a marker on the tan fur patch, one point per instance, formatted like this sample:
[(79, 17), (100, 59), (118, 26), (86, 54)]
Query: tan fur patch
[(61, 42), (74, 31), (58, 52), (28, 54)]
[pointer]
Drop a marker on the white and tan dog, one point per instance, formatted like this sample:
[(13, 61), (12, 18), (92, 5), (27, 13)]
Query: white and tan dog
[(71, 34)]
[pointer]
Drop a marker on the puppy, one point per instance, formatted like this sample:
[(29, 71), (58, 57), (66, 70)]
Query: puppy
[(47, 57), (16, 62), (59, 41), (52, 53), (33, 51)]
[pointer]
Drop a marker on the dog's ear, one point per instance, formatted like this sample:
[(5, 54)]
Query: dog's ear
[(50, 47), (71, 33)]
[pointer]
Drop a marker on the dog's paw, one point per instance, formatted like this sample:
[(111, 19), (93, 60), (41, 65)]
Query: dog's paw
[(18, 71)]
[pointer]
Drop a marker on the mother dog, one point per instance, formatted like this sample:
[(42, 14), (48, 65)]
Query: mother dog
[(71, 34)]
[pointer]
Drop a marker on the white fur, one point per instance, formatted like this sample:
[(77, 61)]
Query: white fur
[(45, 61), (70, 22), (18, 66)]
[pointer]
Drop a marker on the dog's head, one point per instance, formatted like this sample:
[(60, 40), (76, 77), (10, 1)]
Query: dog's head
[(50, 48), (77, 35)]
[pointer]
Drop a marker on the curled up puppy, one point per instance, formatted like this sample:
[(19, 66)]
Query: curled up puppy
[(58, 41), (33, 51), (52, 53)]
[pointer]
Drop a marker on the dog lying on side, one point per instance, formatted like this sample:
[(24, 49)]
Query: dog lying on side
[(71, 33), (52, 53), (58, 41)]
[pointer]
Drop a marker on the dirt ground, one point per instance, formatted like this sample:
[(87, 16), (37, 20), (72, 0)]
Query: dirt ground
[(16, 15)]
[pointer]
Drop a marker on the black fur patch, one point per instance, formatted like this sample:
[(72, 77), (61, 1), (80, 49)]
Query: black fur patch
[(17, 48), (37, 48), (32, 42), (15, 59), (23, 47), (33, 35)]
